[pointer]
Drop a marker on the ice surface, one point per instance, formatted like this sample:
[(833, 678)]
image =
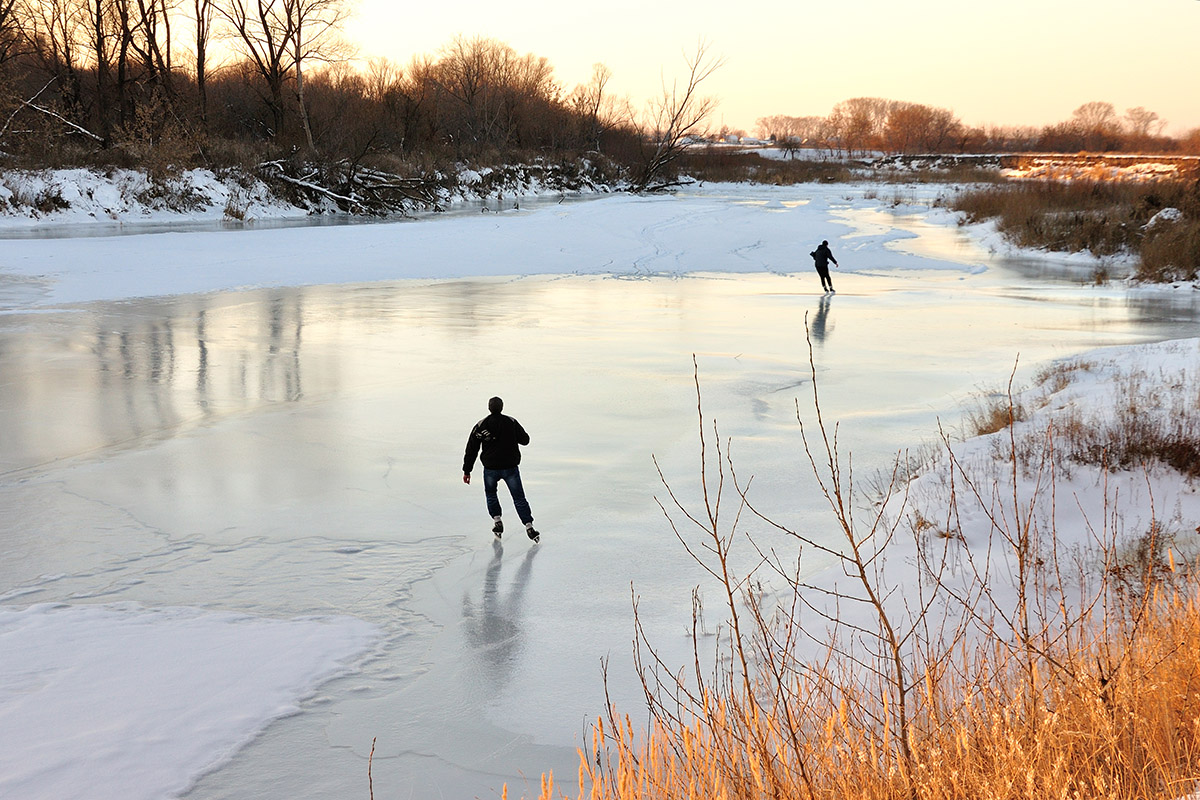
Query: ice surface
[(121, 702), (293, 450), (706, 230)]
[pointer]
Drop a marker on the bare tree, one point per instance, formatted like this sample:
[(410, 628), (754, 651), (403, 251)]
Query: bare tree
[(263, 30), (202, 15), (860, 122), (315, 36), (474, 73), (589, 101), (1144, 124), (10, 32), (1098, 122), (913, 127), (56, 32), (526, 89), (99, 16), (675, 117)]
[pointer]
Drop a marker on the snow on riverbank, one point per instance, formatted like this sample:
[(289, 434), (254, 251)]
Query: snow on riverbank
[(1104, 400), (80, 196), (954, 516), (121, 702), (39, 200)]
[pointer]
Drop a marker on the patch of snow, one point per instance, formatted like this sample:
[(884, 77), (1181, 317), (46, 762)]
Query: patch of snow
[(121, 702), (1167, 215)]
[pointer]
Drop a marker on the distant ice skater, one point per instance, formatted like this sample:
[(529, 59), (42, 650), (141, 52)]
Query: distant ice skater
[(821, 258), (500, 437)]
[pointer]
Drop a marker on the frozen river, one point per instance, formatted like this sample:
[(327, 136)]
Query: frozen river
[(294, 451)]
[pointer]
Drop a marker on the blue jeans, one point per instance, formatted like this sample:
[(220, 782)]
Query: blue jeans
[(512, 477)]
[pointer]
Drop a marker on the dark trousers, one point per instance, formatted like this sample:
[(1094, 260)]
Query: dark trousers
[(512, 477), (823, 271)]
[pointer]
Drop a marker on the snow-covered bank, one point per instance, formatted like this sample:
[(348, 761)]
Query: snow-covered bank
[(85, 203), (44, 199), (121, 702), (1074, 483), (41, 198)]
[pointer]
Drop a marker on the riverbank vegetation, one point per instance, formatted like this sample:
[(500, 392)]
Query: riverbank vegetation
[(1156, 221), (978, 642)]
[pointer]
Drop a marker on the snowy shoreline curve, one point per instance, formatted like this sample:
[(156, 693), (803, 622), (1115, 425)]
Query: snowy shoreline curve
[(713, 228)]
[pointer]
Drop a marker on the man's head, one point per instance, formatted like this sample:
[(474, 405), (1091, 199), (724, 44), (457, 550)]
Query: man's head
[(495, 405), (825, 243)]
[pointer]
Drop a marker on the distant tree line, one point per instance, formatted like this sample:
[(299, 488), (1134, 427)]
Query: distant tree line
[(873, 124), (135, 81), (163, 84)]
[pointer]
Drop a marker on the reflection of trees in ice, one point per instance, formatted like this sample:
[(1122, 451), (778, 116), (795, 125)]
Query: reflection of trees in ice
[(493, 627), (140, 355), (280, 372), (164, 370), (150, 367)]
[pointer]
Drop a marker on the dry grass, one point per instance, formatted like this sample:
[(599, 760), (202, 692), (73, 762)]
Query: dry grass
[(724, 166), (1084, 684), (1154, 419), (1105, 218), (993, 412), (1171, 252), (1133, 734), (1130, 440)]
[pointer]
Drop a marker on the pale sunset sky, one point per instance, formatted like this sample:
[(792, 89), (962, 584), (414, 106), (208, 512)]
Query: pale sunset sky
[(1020, 62)]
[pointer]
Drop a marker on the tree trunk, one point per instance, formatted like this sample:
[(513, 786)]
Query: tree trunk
[(203, 22), (300, 97)]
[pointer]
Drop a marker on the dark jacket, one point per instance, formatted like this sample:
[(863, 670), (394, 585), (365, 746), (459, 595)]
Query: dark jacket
[(823, 255), (499, 436)]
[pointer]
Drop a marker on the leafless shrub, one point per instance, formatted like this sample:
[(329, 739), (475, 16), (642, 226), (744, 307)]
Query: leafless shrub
[(235, 204)]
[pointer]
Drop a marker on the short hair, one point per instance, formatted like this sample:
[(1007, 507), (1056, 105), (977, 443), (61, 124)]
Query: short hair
[(495, 405), (825, 242)]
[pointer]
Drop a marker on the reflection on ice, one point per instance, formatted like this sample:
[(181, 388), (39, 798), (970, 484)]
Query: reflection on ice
[(120, 374), (493, 624), (819, 327)]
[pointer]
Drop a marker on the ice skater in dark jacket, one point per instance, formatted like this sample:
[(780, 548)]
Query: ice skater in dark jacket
[(821, 258), (500, 437)]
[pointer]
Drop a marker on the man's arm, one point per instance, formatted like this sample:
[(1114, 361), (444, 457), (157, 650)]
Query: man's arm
[(472, 452), (522, 436)]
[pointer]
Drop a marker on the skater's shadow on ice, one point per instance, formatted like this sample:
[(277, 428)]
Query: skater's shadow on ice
[(819, 326), (492, 627)]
